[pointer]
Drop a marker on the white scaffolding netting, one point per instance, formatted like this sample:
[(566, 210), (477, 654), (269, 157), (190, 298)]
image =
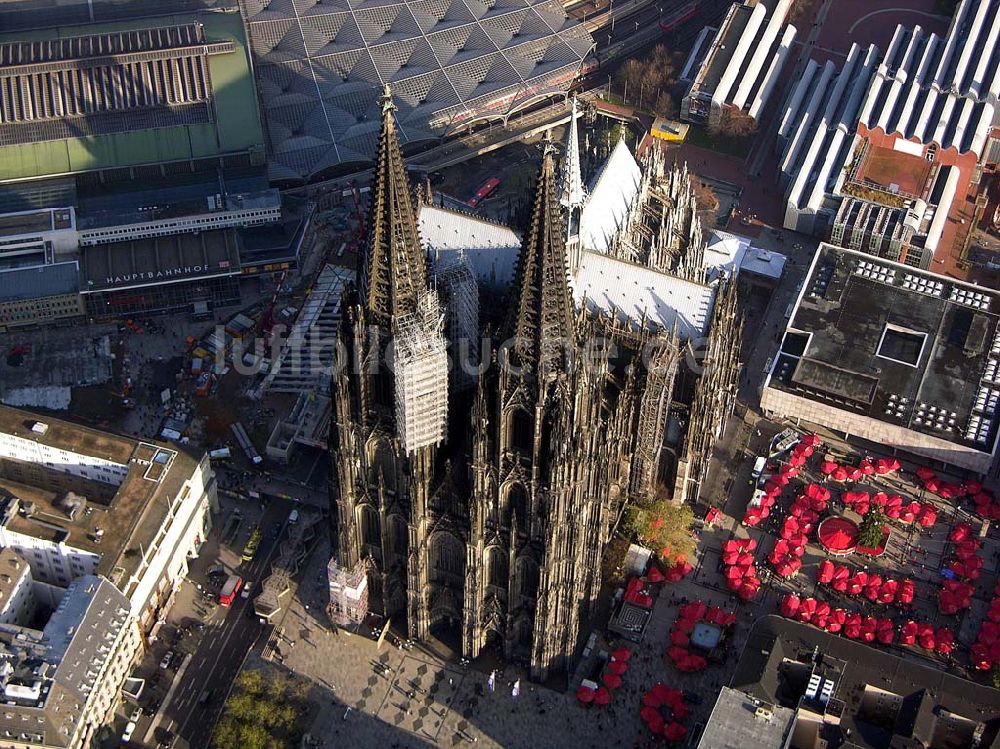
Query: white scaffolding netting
[(421, 369)]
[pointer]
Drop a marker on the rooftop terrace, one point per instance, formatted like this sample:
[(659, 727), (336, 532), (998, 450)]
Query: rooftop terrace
[(129, 514), (902, 346)]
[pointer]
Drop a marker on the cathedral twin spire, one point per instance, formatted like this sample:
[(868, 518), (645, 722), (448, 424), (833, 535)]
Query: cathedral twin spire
[(393, 271), (571, 192), (542, 310), (393, 274)]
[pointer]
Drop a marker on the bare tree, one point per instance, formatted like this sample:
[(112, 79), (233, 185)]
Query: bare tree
[(735, 123)]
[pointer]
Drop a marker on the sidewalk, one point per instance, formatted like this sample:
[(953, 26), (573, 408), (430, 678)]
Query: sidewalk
[(158, 718)]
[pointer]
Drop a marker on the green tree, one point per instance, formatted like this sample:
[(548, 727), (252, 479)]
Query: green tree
[(262, 712), (665, 527), (870, 533)]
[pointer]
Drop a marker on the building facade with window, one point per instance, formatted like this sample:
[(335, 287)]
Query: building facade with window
[(76, 501)]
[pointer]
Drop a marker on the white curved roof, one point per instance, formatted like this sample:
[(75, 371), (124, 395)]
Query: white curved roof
[(321, 67)]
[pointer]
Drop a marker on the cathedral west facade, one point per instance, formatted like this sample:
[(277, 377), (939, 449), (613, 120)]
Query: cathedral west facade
[(480, 516)]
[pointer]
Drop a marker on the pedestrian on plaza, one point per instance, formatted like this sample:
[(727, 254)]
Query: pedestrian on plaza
[(516, 690), (492, 681)]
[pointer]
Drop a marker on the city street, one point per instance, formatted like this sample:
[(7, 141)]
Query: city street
[(228, 636)]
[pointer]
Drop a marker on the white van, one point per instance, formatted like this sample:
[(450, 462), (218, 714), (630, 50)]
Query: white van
[(758, 468)]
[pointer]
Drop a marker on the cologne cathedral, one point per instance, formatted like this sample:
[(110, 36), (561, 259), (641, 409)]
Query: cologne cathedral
[(476, 507)]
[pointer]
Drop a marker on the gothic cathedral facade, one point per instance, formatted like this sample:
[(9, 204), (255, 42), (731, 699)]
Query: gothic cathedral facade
[(487, 517)]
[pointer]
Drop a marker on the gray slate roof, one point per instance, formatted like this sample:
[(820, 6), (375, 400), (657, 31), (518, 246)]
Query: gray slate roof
[(41, 281)]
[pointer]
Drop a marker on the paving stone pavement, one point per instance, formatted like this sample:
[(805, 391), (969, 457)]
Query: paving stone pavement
[(424, 700)]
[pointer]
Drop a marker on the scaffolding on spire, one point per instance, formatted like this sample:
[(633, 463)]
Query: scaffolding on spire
[(421, 368)]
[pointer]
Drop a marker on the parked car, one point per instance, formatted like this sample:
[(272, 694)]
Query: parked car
[(127, 733), (167, 660), (247, 588)]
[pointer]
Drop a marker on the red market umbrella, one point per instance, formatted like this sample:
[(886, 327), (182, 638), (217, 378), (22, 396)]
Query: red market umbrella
[(680, 711), (928, 515), (867, 467), (789, 606), (797, 460), (585, 694), (620, 667), (924, 473), (651, 701), (945, 640), (664, 694), (648, 712), (747, 592), (694, 610), (850, 498), (836, 620), (827, 467), (602, 696), (811, 440), (932, 485), (675, 731), (654, 575), (840, 474), (679, 638), (621, 654), (960, 532), (677, 654), (838, 534), (612, 681), (972, 487), (825, 571)]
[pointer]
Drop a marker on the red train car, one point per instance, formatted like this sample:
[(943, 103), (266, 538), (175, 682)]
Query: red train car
[(678, 17), (483, 192)]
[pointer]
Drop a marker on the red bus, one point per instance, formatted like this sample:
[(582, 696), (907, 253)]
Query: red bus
[(483, 192), (680, 16), (230, 589)]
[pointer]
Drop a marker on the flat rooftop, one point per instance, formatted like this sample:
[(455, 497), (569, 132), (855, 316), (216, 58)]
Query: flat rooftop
[(885, 167), (171, 196), (129, 515), (877, 695), (734, 723), (23, 223), (148, 262), (896, 344), (720, 54), (227, 122)]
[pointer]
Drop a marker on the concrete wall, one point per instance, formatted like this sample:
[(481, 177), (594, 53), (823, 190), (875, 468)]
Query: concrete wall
[(893, 437)]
